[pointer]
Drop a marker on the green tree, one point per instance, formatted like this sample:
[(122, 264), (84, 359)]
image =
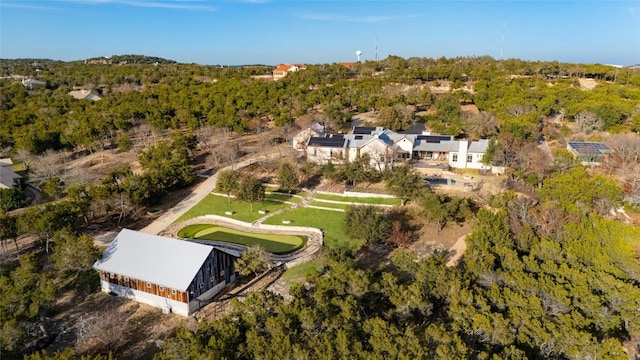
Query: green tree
[(287, 177), (47, 220), (11, 198), (442, 209), (250, 190), (73, 253), (254, 260), (52, 187), (359, 170), (403, 182), (227, 182), (8, 230), (367, 223)]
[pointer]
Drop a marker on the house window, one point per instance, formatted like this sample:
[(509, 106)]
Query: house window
[(148, 284), (161, 289), (221, 273), (469, 158), (201, 286), (213, 279), (454, 157), (173, 291), (112, 275), (126, 279)]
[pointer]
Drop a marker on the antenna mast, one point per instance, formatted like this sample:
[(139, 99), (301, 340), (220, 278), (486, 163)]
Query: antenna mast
[(376, 48)]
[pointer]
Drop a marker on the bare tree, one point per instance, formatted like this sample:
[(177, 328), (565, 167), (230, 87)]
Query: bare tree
[(102, 330), (589, 122), (480, 125)]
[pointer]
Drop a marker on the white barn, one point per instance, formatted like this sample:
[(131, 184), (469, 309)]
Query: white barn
[(174, 275)]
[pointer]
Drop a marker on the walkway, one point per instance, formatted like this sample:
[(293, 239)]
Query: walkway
[(201, 192)]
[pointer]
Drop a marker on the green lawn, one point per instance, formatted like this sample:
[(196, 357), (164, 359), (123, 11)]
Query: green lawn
[(330, 205), (218, 205), (331, 222), (281, 197), (362, 200), (298, 273), (273, 243)]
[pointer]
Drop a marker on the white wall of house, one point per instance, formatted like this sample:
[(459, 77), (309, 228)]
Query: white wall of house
[(405, 144), (476, 161), (177, 307), (322, 155), (380, 153)]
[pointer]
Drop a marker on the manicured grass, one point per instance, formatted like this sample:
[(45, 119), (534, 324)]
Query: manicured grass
[(330, 205), (273, 243), (298, 273), (331, 222), (218, 205), (362, 200), (281, 197)]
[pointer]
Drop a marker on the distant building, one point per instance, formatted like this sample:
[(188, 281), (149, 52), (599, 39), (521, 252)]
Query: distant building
[(8, 178), (83, 94), (175, 275), (387, 148), (589, 153), (31, 83), (283, 69), (302, 138)]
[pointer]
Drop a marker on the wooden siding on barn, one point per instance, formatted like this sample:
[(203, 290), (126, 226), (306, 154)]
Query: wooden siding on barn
[(144, 286)]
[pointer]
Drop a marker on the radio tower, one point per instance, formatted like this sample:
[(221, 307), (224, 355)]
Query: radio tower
[(376, 48)]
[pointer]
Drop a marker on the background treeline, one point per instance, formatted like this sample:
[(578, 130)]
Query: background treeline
[(515, 93)]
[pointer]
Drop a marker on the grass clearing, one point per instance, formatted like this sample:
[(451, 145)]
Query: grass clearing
[(299, 273), (331, 222), (219, 205), (281, 197), (361, 200), (273, 243), (330, 205)]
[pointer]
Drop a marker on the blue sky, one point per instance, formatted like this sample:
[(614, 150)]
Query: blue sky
[(235, 32)]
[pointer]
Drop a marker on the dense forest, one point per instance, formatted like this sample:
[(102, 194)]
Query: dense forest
[(548, 272)]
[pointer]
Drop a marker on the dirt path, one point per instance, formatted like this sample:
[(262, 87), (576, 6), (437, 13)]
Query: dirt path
[(457, 250)]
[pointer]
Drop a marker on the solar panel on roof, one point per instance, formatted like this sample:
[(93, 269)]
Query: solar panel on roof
[(589, 147), (326, 141), (364, 130), (433, 138)]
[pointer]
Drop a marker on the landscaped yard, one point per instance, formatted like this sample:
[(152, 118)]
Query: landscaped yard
[(219, 205), (282, 197), (362, 200), (273, 243), (331, 222), (330, 205)]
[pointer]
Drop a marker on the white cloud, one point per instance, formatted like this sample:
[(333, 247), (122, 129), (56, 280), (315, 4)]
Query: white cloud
[(25, 6), (172, 4), (355, 19)]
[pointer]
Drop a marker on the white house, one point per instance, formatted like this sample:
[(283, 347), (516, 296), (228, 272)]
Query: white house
[(8, 178), (283, 69), (387, 148), (174, 275)]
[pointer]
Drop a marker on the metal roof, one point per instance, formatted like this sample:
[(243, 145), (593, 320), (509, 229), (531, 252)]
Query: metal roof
[(171, 263)]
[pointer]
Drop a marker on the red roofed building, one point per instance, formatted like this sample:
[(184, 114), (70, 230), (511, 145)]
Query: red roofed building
[(283, 69)]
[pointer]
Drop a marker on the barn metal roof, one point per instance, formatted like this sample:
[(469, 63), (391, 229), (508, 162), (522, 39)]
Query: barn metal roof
[(171, 263)]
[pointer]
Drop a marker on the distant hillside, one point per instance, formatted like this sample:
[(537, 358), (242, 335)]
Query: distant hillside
[(129, 59)]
